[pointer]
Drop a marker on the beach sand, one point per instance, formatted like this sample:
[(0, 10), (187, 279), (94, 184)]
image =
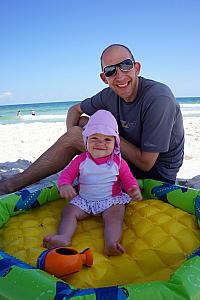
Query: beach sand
[(21, 144)]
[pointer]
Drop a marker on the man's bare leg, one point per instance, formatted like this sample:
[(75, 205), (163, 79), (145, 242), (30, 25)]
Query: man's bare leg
[(70, 215), (52, 161)]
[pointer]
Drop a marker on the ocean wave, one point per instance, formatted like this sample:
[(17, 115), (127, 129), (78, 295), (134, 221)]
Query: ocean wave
[(190, 110), (193, 105), (41, 117), (191, 113)]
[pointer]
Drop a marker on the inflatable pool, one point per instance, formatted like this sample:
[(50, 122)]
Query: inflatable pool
[(161, 236)]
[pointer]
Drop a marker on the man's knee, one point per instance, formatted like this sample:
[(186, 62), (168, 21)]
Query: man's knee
[(74, 133)]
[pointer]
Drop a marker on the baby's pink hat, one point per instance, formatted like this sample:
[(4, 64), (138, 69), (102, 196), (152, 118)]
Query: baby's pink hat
[(102, 122)]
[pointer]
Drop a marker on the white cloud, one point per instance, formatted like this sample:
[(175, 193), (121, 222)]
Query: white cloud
[(5, 95)]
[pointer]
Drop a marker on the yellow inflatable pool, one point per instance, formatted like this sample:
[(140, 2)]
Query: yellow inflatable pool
[(159, 234)]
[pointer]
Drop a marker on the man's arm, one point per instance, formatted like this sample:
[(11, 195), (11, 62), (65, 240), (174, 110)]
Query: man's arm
[(73, 116), (142, 160)]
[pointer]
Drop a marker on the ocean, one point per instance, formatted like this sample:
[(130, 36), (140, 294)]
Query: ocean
[(43, 112), (57, 111)]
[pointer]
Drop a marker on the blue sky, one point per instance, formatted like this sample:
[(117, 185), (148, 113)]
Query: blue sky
[(49, 50)]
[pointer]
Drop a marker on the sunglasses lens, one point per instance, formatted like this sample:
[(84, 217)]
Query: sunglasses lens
[(109, 71), (126, 65)]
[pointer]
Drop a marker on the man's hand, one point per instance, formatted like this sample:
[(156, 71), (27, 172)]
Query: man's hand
[(67, 191), (135, 193)]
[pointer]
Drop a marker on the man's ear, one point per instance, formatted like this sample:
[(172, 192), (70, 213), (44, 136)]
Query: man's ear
[(137, 67), (103, 77)]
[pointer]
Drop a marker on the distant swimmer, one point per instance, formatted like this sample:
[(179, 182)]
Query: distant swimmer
[(33, 112), (19, 113)]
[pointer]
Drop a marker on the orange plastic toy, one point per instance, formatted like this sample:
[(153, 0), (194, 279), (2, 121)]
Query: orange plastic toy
[(62, 261)]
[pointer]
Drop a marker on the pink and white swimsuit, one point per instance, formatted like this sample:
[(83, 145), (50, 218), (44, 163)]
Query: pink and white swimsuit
[(100, 181)]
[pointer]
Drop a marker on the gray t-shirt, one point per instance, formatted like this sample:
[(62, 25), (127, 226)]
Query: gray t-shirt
[(153, 122)]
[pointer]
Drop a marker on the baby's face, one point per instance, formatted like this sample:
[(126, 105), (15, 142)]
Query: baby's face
[(100, 145)]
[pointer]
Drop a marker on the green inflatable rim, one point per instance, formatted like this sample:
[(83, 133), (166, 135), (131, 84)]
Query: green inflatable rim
[(19, 281)]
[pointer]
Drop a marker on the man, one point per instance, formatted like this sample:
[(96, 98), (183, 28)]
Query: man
[(149, 120)]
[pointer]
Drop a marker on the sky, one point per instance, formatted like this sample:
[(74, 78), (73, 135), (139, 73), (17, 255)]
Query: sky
[(50, 50)]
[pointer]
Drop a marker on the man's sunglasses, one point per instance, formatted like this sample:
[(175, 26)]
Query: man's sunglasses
[(125, 65)]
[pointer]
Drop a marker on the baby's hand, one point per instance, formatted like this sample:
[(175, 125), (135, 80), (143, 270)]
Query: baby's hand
[(135, 193), (67, 191)]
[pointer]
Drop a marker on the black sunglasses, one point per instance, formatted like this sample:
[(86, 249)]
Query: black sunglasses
[(125, 65)]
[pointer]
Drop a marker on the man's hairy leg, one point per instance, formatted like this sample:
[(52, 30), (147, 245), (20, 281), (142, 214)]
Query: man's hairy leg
[(50, 162)]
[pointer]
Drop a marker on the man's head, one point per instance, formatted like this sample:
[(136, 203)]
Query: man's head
[(120, 71)]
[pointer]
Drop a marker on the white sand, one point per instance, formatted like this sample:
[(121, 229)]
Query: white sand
[(22, 143), (191, 164), (28, 141)]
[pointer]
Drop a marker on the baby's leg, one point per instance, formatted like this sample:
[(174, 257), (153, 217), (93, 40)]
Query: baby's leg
[(113, 220), (70, 215)]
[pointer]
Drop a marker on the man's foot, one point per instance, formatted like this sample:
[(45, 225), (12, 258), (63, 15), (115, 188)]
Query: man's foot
[(51, 241), (114, 249), (6, 187)]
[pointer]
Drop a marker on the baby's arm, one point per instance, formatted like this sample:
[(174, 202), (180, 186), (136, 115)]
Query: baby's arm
[(67, 191), (67, 177), (129, 182), (134, 192)]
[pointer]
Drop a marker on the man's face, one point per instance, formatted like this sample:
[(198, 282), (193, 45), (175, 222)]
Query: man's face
[(123, 83)]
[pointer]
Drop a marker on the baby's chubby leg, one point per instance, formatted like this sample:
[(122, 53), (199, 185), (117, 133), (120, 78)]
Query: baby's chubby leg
[(70, 215), (113, 219)]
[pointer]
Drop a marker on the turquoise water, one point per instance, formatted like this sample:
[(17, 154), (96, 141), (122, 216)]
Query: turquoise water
[(57, 111), (44, 112)]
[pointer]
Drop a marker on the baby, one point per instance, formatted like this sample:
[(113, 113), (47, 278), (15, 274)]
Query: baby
[(101, 172)]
